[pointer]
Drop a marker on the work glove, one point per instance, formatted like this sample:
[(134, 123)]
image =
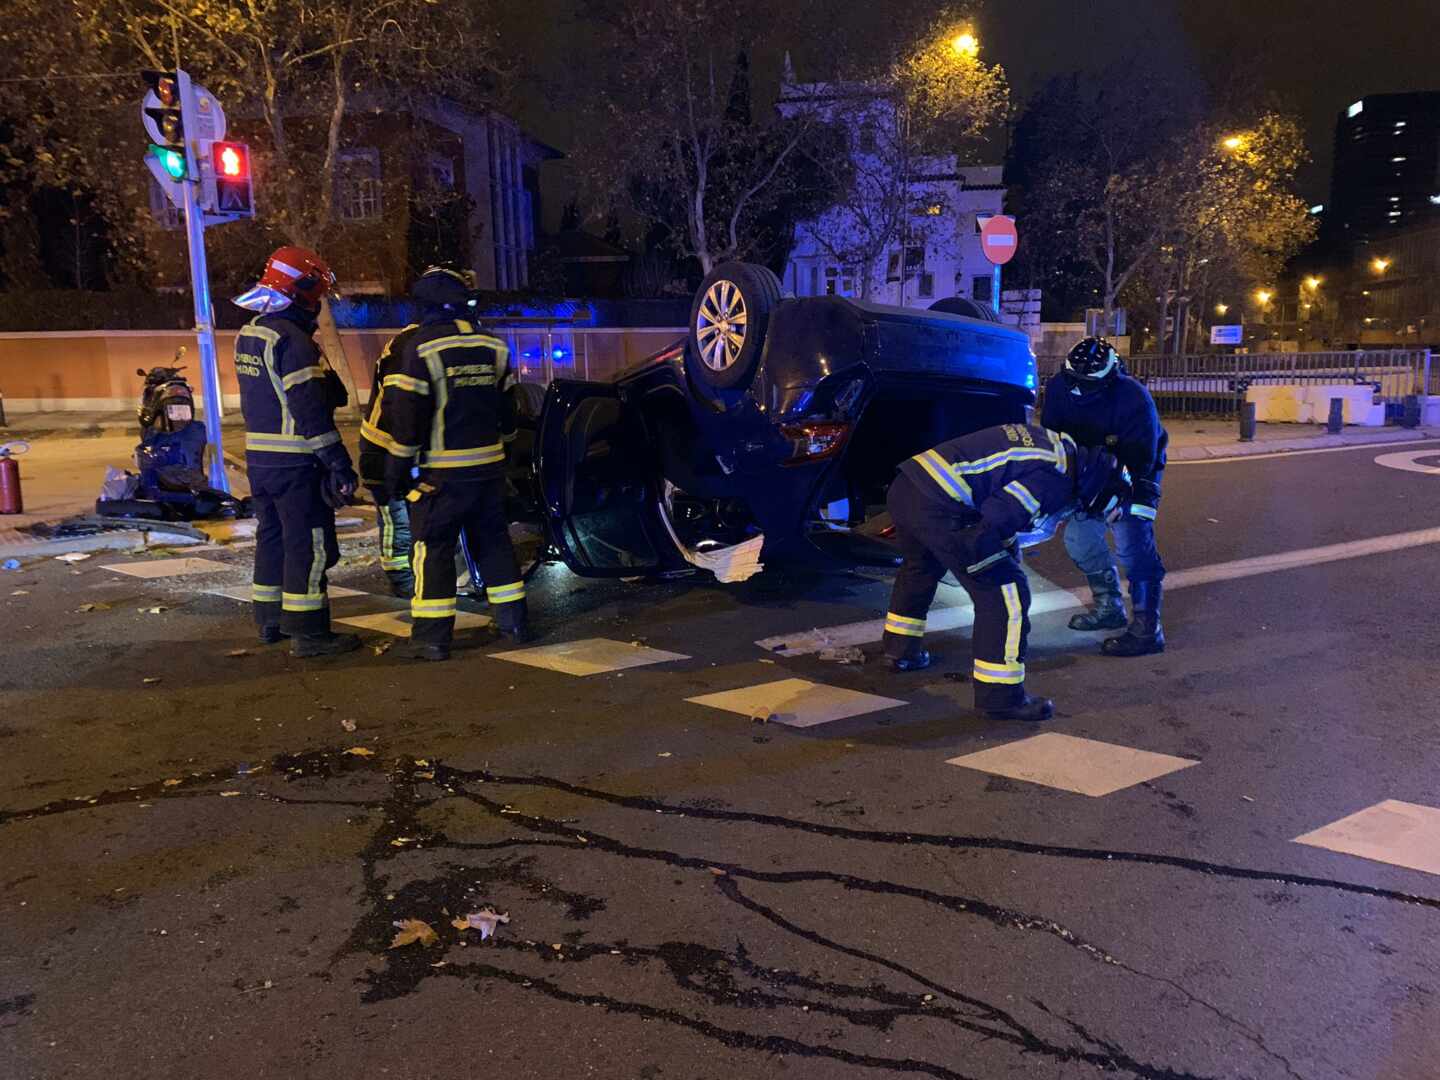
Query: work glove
[(338, 486), (399, 477)]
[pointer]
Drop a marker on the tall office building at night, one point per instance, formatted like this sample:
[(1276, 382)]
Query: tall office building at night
[(1387, 168)]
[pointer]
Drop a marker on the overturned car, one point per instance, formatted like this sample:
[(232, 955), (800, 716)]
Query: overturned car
[(775, 418)]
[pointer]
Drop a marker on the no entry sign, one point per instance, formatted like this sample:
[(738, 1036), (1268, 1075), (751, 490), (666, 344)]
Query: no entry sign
[(998, 239)]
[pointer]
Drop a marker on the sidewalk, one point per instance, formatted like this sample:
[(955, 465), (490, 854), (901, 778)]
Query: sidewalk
[(1201, 440)]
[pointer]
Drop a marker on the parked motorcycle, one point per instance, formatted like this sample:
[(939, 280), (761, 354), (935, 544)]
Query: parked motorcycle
[(170, 482)]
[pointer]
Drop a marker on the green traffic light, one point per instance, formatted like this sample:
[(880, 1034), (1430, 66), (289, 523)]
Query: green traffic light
[(172, 161)]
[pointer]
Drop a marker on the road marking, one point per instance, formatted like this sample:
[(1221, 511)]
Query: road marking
[(961, 615), (1408, 461), (796, 702), (1271, 455), (158, 568), (588, 656), (1085, 766), (1394, 832)]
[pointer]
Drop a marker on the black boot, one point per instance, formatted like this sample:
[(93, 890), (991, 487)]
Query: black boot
[(328, 643), (271, 634), (426, 650), (267, 622), (1108, 612), (1032, 710), (512, 619), (916, 661), (1145, 635)]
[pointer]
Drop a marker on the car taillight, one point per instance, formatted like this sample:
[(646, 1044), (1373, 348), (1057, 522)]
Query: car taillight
[(814, 441)]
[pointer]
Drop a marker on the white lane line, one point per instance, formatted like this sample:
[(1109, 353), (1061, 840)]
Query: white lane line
[(961, 615), (1273, 454)]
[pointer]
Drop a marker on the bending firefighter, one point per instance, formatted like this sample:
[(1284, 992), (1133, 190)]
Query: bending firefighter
[(443, 416), (299, 471), (1092, 400), (964, 507)]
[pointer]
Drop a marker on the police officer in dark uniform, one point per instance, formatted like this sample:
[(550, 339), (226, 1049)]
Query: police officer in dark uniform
[(1095, 402), (299, 470), (447, 410), (963, 506)]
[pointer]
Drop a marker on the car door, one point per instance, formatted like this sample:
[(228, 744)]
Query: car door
[(597, 470)]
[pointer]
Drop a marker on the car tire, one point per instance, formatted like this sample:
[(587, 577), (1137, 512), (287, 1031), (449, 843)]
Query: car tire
[(963, 305), (728, 321)]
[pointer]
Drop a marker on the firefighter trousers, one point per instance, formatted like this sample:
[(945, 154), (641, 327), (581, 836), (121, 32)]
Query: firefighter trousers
[(439, 511), (397, 547), (294, 545), (934, 537)]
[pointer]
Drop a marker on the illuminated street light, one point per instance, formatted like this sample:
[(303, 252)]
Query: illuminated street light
[(1312, 283), (1233, 142), (966, 44), (1263, 296), (1379, 265), (1221, 309)]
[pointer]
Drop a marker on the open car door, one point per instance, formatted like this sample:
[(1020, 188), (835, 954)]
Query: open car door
[(597, 472)]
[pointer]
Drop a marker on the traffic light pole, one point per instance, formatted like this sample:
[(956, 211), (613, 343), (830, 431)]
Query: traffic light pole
[(205, 333)]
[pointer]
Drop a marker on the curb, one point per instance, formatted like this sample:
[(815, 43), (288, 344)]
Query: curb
[(1309, 442)]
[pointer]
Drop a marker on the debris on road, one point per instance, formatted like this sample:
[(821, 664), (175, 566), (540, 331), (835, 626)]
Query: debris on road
[(10, 564), (360, 751), (73, 556), (19, 592), (238, 652), (150, 680), (97, 605), (1248, 798), (664, 753), (413, 930), (383, 647), (158, 609), (842, 654), (348, 725), (228, 794), (485, 920), (761, 716)]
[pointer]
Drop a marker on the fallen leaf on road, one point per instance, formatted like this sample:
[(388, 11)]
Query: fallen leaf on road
[(485, 920), (151, 680), (1213, 521), (228, 794), (383, 647), (413, 930), (1248, 798), (664, 753), (156, 610), (360, 751), (718, 872), (424, 776), (97, 605), (238, 652), (173, 783), (73, 556), (348, 725), (767, 661)]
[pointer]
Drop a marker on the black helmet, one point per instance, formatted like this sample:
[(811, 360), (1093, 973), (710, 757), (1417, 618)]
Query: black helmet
[(1100, 484), (1093, 359), (445, 287)]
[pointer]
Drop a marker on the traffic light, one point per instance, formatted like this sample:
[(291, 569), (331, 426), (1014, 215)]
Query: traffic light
[(166, 122), (234, 193)]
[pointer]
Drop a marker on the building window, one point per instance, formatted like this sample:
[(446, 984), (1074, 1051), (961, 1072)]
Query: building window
[(927, 285), (359, 193), (442, 172), (980, 288), (839, 281), (814, 281)]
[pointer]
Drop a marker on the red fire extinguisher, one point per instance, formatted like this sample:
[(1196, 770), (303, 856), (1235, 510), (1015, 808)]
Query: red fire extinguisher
[(10, 499)]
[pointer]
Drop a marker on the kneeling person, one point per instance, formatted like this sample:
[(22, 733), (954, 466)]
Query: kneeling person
[(962, 507), (446, 404)]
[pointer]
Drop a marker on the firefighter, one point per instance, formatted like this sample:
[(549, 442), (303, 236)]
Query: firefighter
[(963, 507), (1095, 402), (393, 515), (298, 468), (445, 413)]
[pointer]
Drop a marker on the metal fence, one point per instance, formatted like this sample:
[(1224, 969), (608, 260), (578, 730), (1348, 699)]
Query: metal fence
[(1213, 385), (542, 352)]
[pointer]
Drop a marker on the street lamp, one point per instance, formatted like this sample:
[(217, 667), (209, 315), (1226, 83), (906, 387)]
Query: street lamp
[(1312, 283), (1221, 309), (966, 44), (1379, 265), (1233, 142), (1263, 296)]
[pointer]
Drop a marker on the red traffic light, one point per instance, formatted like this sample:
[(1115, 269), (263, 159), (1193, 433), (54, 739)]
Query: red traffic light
[(232, 160)]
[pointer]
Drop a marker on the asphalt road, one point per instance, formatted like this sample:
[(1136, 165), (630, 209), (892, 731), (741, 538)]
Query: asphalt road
[(197, 879)]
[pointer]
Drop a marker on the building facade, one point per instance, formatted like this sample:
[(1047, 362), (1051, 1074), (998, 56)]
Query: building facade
[(1387, 169), (906, 230)]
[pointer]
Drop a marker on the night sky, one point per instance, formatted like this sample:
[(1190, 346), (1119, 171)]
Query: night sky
[(1316, 55)]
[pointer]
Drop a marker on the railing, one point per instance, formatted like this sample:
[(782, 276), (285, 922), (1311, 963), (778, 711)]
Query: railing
[(542, 350), (1213, 385)]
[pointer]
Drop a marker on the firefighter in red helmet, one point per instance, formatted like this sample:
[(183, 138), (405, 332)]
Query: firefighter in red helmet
[(299, 470)]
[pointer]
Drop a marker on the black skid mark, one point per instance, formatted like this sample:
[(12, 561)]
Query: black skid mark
[(942, 840)]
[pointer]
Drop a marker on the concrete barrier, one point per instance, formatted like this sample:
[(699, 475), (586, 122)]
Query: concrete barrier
[(1311, 404)]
